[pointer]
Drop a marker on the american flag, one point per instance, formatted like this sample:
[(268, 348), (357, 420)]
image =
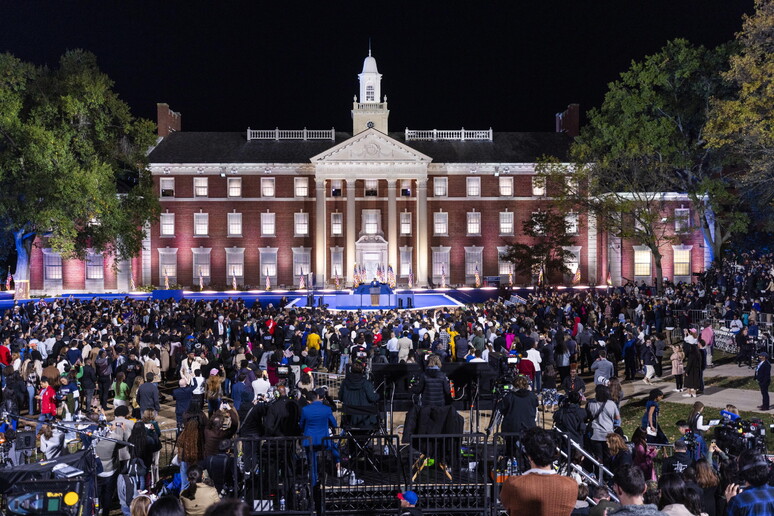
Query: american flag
[(577, 277), (8, 281), (411, 278), (390, 276), (443, 276), (201, 279), (301, 281), (356, 276), (268, 280), (478, 277), (233, 282), (166, 279)]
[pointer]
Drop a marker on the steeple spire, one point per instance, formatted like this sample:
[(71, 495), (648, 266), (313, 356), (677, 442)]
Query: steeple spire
[(369, 46)]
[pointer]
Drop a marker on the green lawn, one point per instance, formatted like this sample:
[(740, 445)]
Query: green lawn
[(734, 382)]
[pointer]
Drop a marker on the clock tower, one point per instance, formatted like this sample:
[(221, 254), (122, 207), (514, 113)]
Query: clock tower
[(369, 112)]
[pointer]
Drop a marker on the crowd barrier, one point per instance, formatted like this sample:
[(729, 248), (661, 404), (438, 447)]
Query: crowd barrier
[(330, 381)]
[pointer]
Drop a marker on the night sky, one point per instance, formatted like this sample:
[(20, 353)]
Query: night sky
[(227, 65)]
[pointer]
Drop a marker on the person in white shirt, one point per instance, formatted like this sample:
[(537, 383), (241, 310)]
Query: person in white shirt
[(261, 385), (533, 355), (393, 348)]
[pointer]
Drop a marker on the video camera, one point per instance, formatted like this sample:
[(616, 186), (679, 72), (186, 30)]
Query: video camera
[(735, 436)]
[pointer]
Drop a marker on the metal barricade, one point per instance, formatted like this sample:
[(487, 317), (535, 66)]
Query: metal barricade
[(450, 473), (361, 472), (330, 381), (274, 475), (168, 447)]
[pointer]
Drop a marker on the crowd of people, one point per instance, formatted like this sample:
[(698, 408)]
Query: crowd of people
[(106, 363)]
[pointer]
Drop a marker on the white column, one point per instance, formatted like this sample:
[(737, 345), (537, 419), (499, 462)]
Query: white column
[(351, 229), (592, 252), (392, 225), (320, 251), (422, 241), (146, 257)]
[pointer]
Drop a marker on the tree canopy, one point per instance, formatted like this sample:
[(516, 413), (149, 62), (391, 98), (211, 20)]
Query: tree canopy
[(72, 161)]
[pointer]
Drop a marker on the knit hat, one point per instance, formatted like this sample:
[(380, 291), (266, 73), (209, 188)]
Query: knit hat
[(410, 496)]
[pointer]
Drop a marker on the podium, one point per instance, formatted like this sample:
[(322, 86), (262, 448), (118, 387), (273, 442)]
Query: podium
[(375, 293)]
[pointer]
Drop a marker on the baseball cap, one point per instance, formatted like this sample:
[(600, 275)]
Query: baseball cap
[(763, 354), (410, 496), (307, 370)]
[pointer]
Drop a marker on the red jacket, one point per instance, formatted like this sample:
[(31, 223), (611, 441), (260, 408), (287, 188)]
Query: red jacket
[(5, 355), (47, 401)]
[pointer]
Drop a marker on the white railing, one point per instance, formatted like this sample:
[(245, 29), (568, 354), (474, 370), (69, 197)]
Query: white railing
[(291, 134), (370, 106), (436, 134)]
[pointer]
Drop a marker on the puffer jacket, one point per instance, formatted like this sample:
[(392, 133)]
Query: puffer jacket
[(434, 388)]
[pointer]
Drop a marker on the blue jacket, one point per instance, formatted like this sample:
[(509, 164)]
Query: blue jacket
[(183, 396), (316, 418)]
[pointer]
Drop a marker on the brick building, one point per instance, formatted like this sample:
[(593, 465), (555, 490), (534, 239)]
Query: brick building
[(285, 203)]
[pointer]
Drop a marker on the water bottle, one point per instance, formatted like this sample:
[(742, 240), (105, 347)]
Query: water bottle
[(282, 504), (352, 478)]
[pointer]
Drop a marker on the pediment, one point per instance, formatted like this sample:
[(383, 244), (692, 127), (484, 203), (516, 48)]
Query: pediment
[(371, 146)]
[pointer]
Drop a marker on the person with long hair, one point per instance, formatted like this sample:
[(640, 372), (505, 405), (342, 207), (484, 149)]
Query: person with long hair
[(708, 480), (149, 420), (142, 449), (618, 451), (140, 505), (676, 499), (643, 454), (213, 391), (200, 493), (602, 414), (696, 419), (135, 403), (190, 446), (51, 442), (649, 421), (616, 391), (120, 390)]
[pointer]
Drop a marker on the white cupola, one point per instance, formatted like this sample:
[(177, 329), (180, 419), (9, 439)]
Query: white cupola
[(370, 112)]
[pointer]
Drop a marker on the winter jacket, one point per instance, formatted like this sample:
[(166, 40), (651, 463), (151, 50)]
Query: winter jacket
[(434, 388)]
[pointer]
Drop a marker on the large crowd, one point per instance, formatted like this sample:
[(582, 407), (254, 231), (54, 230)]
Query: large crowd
[(102, 362)]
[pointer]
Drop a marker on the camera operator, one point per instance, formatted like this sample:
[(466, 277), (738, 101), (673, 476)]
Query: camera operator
[(754, 496), (695, 442), (571, 418), (518, 408)]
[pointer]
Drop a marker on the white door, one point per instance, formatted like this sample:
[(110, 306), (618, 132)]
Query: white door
[(370, 262)]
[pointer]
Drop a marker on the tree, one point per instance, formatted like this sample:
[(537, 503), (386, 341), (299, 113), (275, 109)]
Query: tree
[(655, 117), (742, 124), (72, 162), (545, 254)]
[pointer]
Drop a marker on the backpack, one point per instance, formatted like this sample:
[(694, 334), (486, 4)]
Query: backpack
[(136, 469)]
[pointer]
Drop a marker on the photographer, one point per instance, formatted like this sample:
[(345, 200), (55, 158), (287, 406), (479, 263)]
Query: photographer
[(754, 495), (571, 418), (695, 442), (519, 407)]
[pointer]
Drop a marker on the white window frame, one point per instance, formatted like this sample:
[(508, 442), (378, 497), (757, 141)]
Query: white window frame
[(370, 93), (52, 266), (201, 265), (234, 186), (95, 266), (538, 186), (235, 265), (302, 263), (572, 223), (474, 223), (686, 272), (301, 186), (268, 187), (371, 222), (337, 263), (201, 224), (167, 263), (405, 187), (572, 262), (405, 223), (406, 256), (506, 186), (640, 253), (268, 224), (337, 187), (440, 187), (682, 220), (504, 267), (506, 223), (234, 223), (441, 223), (474, 257), (301, 224), (201, 186), (268, 263), (167, 184), (167, 224), (371, 187), (473, 186), (441, 255), (337, 223)]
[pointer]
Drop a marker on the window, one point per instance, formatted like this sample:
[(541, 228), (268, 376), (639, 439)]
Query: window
[(370, 94), (200, 186), (336, 187), (167, 265), (682, 261), (440, 187), (268, 263), (572, 184), (474, 223), (682, 220), (506, 222), (301, 223), (301, 186), (337, 224), (52, 263), (538, 185), (405, 187), (267, 187), (405, 261), (572, 261), (474, 186), (537, 225), (371, 187), (405, 223), (167, 186), (235, 187), (371, 221), (167, 224), (201, 224), (201, 265), (571, 223), (302, 262), (94, 266), (337, 262), (473, 262), (506, 186), (504, 267), (440, 223), (235, 265), (642, 262), (267, 224), (234, 224), (440, 263)]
